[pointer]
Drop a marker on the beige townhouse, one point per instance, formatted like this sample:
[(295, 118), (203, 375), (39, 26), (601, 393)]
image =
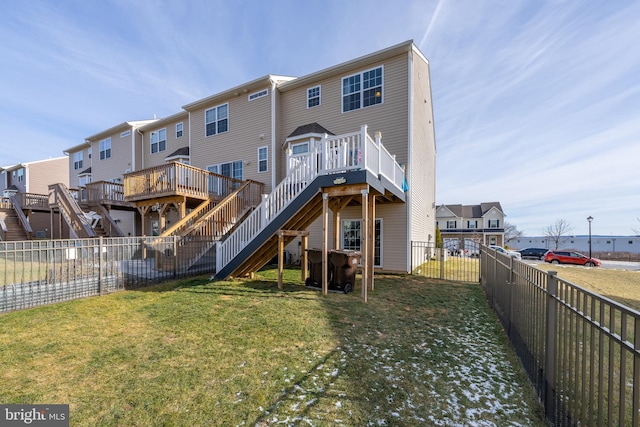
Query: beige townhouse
[(345, 154), (24, 211)]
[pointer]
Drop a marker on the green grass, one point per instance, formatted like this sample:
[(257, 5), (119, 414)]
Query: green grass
[(619, 285), (202, 353)]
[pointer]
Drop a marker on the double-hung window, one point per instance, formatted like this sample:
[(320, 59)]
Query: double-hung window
[(472, 224), (313, 96), (451, 224), (494, 223), (179, 129), (158, 141), (362, 90), (263, 157), (77, 160), (216, 119), (352, 238), (105, 148)]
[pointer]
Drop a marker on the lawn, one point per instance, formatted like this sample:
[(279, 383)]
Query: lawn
[(233, 353), (619, 285)]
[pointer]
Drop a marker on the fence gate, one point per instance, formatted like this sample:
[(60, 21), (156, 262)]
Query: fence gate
[(457, 260)]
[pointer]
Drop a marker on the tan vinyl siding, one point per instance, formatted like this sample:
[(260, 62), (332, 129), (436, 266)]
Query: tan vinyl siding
[(172, 143), (393, 233), (114, 166), (422, 178), (249, 128), (390, 117), (41, 174)]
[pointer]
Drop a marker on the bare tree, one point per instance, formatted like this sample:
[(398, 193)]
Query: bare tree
[(511, 232), (636, 230), (557, 231)]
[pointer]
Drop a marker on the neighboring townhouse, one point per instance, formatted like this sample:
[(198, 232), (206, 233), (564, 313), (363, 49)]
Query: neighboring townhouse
[(28, 183), (104, 158), (263, 131), (464, 226)]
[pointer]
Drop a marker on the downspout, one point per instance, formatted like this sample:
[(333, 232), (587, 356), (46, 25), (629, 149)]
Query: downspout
[(273, 134), (189, 139), (133, 168)]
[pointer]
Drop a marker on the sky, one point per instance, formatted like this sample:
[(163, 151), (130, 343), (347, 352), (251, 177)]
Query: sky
[(536, 103)]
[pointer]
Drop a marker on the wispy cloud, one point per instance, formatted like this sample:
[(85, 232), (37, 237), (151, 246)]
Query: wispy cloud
[(536, 103)]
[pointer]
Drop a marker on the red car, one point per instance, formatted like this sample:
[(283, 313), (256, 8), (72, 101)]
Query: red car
[(567, 257)]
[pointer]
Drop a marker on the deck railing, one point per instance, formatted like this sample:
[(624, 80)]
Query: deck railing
[(334, 154), (61, 197), (17, 207), (103, 193), (177, 179)]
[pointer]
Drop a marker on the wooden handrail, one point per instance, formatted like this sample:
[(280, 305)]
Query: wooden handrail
[(114, 230), (60, 197), (177, 178), (17, 207)]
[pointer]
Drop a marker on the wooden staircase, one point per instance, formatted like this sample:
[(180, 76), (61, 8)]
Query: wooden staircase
[(198, 232), (13, 229)]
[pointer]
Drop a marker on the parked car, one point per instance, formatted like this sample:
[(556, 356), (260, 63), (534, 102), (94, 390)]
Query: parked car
[(568, 257), (512, 254), (537, 253)]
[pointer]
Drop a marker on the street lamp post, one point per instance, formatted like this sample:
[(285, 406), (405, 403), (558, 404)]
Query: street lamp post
[(589, 218)]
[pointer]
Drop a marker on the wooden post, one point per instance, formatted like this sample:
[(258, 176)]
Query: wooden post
[(336, 228), (303, 261), (371, 238), (325, 246), (280, 259), (364, 232)]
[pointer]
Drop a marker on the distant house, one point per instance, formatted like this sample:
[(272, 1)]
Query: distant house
[(483, 223), (27, 184)]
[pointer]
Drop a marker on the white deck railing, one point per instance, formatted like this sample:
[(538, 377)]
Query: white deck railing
[(344, 153)]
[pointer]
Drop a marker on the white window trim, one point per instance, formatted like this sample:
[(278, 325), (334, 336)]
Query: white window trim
[(105, 141), (157, 132), (266, 159), (342, 221), (319, 96), (181, 130), (361, 73), (78, 159), (217, 132), (125, 134)]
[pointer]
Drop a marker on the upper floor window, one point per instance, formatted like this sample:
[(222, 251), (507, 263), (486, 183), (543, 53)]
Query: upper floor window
[(125, 133), (216, 119), (20, 174), (263, 153), (179, 129), (362, 90), (451, 224), (77, 160), (494, 223), (105, 148), (313, 96), (472, 224), (89, 151), (158, 141)]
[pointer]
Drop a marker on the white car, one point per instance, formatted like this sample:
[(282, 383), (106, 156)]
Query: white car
[(513, 254)]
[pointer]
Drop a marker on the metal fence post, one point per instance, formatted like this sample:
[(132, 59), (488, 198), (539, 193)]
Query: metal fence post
[(509, 299), (550, 353)]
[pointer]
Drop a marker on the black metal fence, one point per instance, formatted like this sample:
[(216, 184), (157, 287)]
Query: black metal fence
[(451, 262), (38, 272), (580, 349)]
